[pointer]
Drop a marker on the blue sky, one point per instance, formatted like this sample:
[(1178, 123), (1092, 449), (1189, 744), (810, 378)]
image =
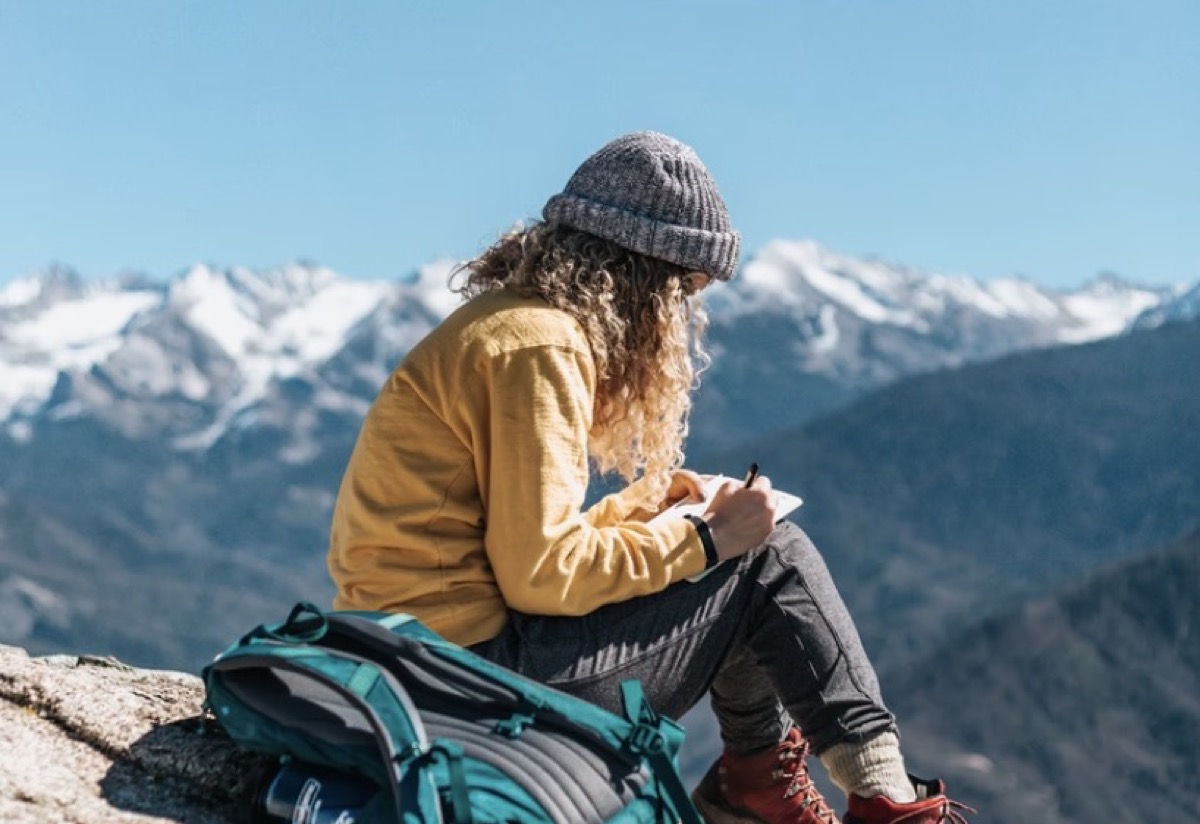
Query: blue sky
[(1053, 140)]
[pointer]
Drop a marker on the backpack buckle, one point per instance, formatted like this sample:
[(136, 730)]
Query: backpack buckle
[(646, 739), (513, 726), (525, 715)]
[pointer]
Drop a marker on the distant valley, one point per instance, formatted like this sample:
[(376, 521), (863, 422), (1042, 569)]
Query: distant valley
[(1078, 708)]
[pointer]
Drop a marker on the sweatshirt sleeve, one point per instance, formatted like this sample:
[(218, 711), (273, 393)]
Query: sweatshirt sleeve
[(624, 505), (548, 558)]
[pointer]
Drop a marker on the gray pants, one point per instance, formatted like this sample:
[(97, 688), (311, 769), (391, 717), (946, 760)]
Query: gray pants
[(767, 635)]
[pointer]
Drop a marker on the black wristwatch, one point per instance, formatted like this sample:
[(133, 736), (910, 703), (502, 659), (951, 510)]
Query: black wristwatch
[(706, 538)]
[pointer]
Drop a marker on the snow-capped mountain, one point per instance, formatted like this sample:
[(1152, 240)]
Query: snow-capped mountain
[(207, 345), (197, 357), (834, 299), (802, 330)]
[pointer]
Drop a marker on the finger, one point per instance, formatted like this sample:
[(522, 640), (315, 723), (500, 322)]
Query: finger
[(693, 483)]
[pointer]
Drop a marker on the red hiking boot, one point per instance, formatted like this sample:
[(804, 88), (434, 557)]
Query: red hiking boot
[(772, 787), (931, 807)]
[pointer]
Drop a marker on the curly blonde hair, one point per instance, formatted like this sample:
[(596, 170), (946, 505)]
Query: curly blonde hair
[(645, 332)]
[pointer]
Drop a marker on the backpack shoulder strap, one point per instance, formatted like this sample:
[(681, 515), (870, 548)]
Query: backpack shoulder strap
[(656, 737)]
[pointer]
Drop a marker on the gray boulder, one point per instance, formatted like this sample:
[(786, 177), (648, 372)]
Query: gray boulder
[(91, 741)]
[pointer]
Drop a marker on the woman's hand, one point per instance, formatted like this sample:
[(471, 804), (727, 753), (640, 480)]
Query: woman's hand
[(741, 518), (685, 485)]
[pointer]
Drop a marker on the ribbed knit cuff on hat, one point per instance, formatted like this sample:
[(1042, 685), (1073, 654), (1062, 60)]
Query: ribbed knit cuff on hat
[(702, 250)]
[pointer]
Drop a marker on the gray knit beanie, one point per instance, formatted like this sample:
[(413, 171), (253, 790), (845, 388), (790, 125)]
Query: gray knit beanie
[(650, 193)]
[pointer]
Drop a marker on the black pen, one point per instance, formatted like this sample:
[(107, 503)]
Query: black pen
[(752, 475)]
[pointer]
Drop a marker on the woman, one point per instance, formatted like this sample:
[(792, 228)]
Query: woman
[(463, 501)]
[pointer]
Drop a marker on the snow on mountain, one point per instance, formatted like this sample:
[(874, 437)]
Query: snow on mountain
[(1183, 304), (191, 358), (20, 292), (275, 322), (800, 276), (147, 340), (1106, 307), (272, 326), (41, 337)]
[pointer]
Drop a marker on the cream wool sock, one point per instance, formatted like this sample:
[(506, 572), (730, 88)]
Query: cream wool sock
[(873, 768)]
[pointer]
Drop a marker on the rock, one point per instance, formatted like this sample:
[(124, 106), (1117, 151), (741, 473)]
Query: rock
[(89, 740)]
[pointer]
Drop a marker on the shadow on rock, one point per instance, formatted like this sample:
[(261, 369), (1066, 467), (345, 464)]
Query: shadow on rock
[(188, 771)]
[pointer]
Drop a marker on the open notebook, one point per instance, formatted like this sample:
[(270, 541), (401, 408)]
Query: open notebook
[(785, 504)]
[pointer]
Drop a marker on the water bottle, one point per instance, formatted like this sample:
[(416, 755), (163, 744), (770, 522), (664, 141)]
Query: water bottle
[(300, 793)]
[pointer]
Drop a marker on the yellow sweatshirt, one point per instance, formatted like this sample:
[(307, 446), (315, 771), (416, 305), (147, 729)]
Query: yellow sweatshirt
[(464, 493)]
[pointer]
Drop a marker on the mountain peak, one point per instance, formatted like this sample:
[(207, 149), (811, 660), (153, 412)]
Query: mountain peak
[(56, 282)]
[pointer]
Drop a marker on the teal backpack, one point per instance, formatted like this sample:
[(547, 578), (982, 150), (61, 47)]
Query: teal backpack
[(441, 734)]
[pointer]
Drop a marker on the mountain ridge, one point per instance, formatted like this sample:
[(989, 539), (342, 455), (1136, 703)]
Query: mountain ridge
[(843, 326), (1078, 707), (972, 488)]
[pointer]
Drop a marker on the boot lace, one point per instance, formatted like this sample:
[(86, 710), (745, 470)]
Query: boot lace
[(793, 767), (949, 813)]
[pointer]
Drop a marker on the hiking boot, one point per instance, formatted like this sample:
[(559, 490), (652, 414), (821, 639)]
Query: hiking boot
[(931, 807), (772, 787)]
